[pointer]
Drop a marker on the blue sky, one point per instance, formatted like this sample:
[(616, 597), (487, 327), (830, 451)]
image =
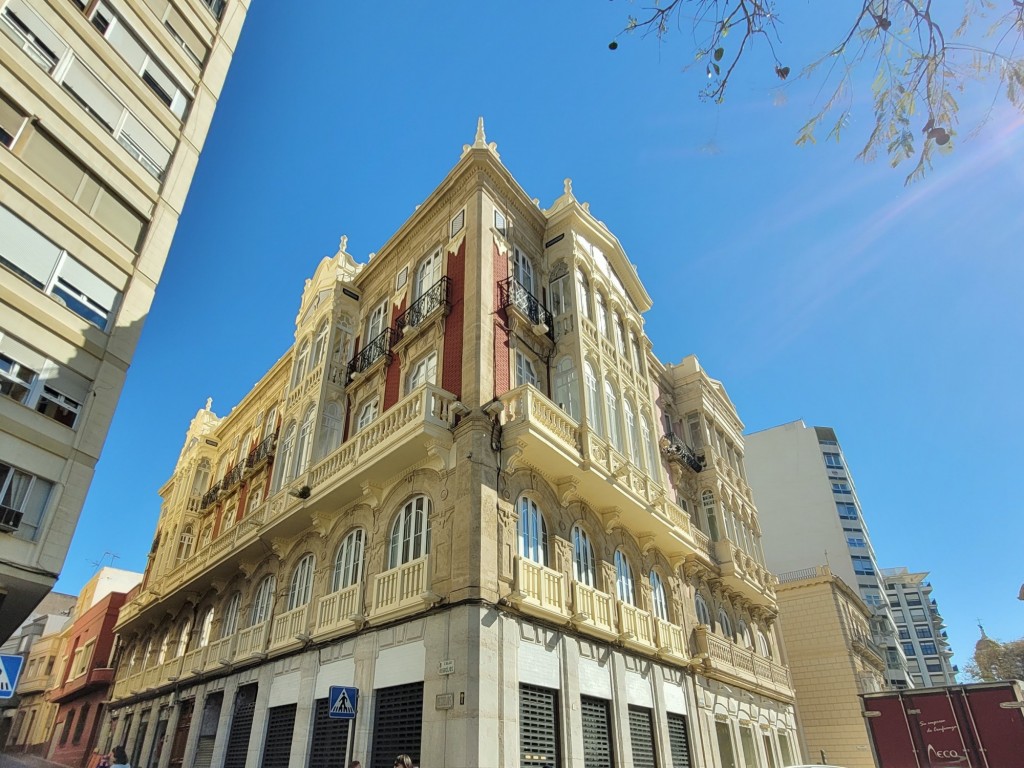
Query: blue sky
[(813, 285)]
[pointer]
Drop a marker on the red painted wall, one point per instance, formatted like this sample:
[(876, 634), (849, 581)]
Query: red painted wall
[(393, 382), (502, 372)]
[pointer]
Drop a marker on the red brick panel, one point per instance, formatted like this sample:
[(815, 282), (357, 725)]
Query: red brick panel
[(451, 366), (393, 382)]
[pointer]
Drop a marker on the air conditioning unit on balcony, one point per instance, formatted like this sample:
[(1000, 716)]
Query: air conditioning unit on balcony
[(10, 519)]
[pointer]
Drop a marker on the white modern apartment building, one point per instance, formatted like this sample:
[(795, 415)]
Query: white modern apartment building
[(471, 492), (812, 517), (919, 626), (104, 109)]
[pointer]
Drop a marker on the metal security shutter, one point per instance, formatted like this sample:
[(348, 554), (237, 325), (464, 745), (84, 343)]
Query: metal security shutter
[(140, 738), (679, 738), (597, 733), (641, 736), (181, 733), (330, 739), (204, 752), (241, 727), (538, 727), (278, 746), (397, 722)]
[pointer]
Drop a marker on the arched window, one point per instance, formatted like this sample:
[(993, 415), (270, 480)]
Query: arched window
[(703, 614), (185, 542), (763, 645), (632, 435), (301, 363), (301, 589), (270, 425), (638, 356), (319, 346), (330, 428), (602, 313), (525, 372), (743, 636), (659, 603), (423, 371), (620, 334), (707, 500), (593, 403), (348, 565), (165, 648), (522, 270), (183, 634), (285, 458), (205, 628), (725, 623), (567, 393), (410, 533), (229, 625), (583, 558), (367, 414), (583, 294), (533, 532), (428, 272), (624, 579), (263, 602), (611, 409), (653, 463), (201, 479), (305, 443)]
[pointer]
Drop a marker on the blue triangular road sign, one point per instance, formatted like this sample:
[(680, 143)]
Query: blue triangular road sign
[(10, 669)]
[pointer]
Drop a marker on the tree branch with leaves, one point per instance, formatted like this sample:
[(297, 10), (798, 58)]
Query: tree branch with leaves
[(918, 67)]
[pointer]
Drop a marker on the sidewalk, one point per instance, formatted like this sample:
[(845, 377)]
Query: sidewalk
[(26, 761)]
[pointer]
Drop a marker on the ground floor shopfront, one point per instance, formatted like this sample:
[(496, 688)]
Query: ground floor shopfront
[(468, 685)]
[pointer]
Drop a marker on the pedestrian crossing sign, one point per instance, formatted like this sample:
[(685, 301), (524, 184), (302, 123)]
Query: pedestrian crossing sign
[(10, 668), (342, 701)]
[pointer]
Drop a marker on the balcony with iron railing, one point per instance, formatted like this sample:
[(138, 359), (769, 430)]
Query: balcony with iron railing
[(674, 449), (261, 452), (210, 496), (377, 348), (233, 477), (434, 299), (515, 296), (725, 660)]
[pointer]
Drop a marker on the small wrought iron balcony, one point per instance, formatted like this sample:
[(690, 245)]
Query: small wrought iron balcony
[(514, 294), (261, 452), (374, 349), (210, 496), (433, 299), (674, 449), (234, 477), (10, 518)]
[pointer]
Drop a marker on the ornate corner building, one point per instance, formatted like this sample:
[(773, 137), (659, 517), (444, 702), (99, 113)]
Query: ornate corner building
[(104, 108), (470, 491)]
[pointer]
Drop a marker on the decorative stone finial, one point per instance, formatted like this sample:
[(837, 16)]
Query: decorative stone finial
[(567, 185), (481, 137), (209, 403), (343, 244)]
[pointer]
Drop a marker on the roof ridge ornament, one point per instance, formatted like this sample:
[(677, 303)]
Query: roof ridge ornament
[(480, 140)]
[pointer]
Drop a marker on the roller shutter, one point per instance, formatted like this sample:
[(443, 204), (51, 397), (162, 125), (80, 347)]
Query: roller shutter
[(641, 737), (278, 745), (538, 727), (241, 727), (679, 738), (397, 723), (597, 733), (330, 739)]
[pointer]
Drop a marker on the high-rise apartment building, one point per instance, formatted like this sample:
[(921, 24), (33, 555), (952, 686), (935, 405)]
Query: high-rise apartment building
[(919, 626), (807, 498), (104, 108), (470, 492)]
